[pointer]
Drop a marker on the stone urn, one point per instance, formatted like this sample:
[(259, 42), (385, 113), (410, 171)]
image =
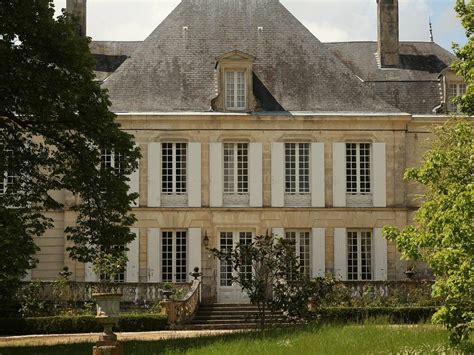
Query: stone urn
[(108, 309)]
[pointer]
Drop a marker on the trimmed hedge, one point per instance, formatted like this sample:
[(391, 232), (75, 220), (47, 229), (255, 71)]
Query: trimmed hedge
[(79, 324), (357, 314)]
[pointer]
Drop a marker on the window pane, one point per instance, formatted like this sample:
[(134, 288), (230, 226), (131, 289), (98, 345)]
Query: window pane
[(181, 161), (181, 252), (230, 91), (290, 168), (245, 238), (167, 257), (364, 168), (351, 168), (303, 168), (366, 255), (226, 243), (242, 168), (167, 168), (240, 89), (229, 166), (352, 256)]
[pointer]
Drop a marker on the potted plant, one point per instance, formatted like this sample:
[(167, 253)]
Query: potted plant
[(167, 290)]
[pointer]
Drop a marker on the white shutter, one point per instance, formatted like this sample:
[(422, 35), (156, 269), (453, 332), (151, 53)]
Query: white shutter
[(339, 174), (154, 255), (317, 175), (255, 174), (194, 247), (278, 232), (134, 184), (318, 254), (154, 175), (194, 174), (89, 274), (216, 172), (340, 253), (380, 175), (380, 256), (133, 257), (278, 174)]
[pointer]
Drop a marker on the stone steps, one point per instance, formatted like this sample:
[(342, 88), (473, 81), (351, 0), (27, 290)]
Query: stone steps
[(231, 316)]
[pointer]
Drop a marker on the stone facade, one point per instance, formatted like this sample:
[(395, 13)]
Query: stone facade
[(405, 137)]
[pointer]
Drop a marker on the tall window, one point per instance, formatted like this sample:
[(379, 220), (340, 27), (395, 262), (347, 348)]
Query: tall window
[(297, 185), (301, 240), (453, 91), (236, 173), (358, 174), (111, 159), (174, 161), (173, 256), (235, 90), (7, 178), (359, 255)]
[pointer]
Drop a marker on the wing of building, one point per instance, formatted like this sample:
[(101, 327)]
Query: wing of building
[(248, 124)]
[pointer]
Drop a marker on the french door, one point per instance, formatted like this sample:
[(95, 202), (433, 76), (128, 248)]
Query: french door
[(227, 290)]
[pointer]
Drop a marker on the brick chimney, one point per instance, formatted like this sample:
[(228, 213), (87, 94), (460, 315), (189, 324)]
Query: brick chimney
[(78, 9), (387, 33)]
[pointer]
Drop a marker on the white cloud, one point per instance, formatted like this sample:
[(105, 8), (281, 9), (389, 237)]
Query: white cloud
[(329, 20)]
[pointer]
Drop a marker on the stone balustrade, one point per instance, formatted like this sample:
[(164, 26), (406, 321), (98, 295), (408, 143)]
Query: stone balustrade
[(181, 311)]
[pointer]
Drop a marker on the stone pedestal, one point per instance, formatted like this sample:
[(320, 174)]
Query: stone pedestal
[(107, 348)]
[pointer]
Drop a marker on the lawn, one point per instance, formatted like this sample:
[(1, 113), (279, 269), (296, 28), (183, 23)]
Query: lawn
[(329, 339)]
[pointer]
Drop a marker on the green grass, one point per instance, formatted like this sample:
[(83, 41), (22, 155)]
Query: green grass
[(329, 339)]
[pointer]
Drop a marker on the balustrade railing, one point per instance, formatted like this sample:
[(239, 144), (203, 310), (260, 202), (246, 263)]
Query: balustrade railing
[(181, 311)]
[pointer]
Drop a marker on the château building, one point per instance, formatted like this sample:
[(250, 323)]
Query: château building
[(249, 124)]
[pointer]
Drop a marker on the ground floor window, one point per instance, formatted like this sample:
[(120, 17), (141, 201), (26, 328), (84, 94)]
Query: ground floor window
[(174, 256), (359, 255), (119, 276), (301, 240), (227, 241)]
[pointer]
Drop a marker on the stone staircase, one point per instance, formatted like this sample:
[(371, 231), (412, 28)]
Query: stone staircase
[(230, 316)]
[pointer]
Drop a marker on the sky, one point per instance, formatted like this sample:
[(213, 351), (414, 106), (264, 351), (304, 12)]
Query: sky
[(328, 20)]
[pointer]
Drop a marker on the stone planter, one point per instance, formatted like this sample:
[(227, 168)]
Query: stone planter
[(108, 312)]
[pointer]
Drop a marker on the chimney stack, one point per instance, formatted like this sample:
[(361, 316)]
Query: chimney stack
[(387, 33), (78, 9)]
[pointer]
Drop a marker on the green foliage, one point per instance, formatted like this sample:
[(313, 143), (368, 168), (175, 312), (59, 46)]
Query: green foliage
[(79, 324), (442, 233), (464, 66), (31, 303), (54, 120), (269, 272)]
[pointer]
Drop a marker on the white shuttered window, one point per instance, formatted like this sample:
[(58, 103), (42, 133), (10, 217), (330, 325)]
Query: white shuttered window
[(174, 173), (174, 256), (358, 174), (297, 174), (359, 255)]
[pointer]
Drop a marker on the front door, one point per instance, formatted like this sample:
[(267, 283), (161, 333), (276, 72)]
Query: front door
[(228, 291)]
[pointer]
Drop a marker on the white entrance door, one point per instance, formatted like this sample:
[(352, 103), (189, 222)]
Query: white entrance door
[(228, 291)]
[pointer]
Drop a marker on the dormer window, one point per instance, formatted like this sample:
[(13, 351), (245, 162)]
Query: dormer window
[(453, 85), (454, 90), (234, 82), (235, 90)]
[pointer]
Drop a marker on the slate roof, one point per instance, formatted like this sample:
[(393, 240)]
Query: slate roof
[(174, 70), (414, 87)]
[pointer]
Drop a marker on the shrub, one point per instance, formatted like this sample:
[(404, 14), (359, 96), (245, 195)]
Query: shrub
[(78, 324)]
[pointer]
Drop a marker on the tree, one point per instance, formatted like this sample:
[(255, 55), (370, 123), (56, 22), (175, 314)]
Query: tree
[(464, 66), (54, 122), (443, 231), (269, 272)]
